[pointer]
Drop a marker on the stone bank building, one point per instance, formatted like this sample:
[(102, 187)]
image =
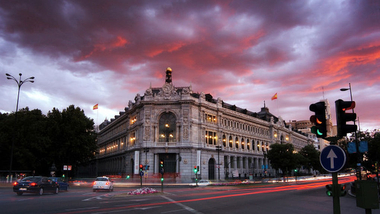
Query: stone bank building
[(186, 130)]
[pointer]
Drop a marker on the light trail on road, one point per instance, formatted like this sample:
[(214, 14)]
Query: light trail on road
[(231, 193)]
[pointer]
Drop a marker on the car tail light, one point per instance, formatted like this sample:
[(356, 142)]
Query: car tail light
[(107, 183), (15, 183), (94, 183), (33, 184)]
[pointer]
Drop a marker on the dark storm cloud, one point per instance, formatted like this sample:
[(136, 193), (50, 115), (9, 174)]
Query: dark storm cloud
[(294, 47)]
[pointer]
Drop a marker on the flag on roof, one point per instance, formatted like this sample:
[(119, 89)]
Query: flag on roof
[(95, 107), (274, 96)]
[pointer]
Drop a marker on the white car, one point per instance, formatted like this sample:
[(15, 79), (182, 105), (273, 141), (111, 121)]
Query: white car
[(200, 183), (102, 183)]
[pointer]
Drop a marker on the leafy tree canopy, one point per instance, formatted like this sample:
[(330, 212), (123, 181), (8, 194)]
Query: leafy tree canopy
[(62, 138), (281, 157)]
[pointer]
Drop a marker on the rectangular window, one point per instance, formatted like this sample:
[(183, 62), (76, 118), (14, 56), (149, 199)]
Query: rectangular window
[(210, 137), (210, 118)]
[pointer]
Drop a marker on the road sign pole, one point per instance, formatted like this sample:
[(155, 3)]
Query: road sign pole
[(332, 160), (336, 193)]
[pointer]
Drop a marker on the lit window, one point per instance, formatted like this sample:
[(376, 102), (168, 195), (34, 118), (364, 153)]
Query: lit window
[(133, 120), (167, 127), (210, 118)]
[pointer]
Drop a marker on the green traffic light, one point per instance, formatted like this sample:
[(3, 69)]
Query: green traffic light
[(329, 193), (162, 179)]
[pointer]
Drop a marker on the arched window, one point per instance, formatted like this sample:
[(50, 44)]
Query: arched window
[(167, 127), (237, 142), (230, 142), (224, 141), (242, 143)]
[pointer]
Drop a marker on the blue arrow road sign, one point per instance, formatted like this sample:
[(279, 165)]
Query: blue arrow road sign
[(332, 158)]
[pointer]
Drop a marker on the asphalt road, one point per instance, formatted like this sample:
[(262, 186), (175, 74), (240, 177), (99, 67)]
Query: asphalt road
[(293, 198)]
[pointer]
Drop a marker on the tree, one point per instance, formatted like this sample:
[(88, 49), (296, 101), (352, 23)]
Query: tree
[(60, 138), (281, 157), (7, 124), (73, 137), (373, 154), (27, 133), (311, 157)]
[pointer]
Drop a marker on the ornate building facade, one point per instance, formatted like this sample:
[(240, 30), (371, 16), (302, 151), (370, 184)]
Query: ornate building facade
[(186, 130)]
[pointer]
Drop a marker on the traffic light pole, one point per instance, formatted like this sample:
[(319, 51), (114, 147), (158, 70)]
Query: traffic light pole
[(335, 185), (336, 193), (162, 183)]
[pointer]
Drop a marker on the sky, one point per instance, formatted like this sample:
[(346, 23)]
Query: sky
[(87, 52)]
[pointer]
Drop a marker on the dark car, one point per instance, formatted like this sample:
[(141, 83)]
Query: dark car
[(35, 184), (63, 185)]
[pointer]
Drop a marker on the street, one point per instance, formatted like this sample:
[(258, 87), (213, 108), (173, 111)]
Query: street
[(295, 198)]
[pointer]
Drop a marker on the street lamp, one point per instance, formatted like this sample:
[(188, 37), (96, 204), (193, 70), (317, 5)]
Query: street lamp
[(19, 84), (356, 136)]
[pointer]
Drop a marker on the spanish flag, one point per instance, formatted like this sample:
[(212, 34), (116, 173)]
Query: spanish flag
[(274, 97), (95, 107)]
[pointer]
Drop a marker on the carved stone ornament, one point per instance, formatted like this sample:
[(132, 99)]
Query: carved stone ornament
[(186, 91), (149, 92), (168, 92), (186, 133)]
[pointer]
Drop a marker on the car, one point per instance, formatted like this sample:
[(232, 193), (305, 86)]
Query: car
[(63, 185), (102, 183), (35, 184), (200, 183)]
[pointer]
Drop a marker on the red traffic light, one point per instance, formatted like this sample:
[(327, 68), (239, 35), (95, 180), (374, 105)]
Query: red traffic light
[(342, 117), (141, 166), (348, 105)]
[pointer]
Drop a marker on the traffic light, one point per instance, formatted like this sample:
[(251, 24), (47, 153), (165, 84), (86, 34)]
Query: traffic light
[(141, 167), (318, 119), (196, 169), (329, 191), (162, 179), (161, 168), (343, 191), (128, 176), (63, 175), (342, 117)]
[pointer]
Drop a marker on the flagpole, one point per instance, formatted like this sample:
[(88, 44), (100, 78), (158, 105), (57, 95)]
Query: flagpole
[(96, 107), (274, 97), (278, 112)]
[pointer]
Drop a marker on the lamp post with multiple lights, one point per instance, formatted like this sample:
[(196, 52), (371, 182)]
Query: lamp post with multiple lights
[(19, 84)]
